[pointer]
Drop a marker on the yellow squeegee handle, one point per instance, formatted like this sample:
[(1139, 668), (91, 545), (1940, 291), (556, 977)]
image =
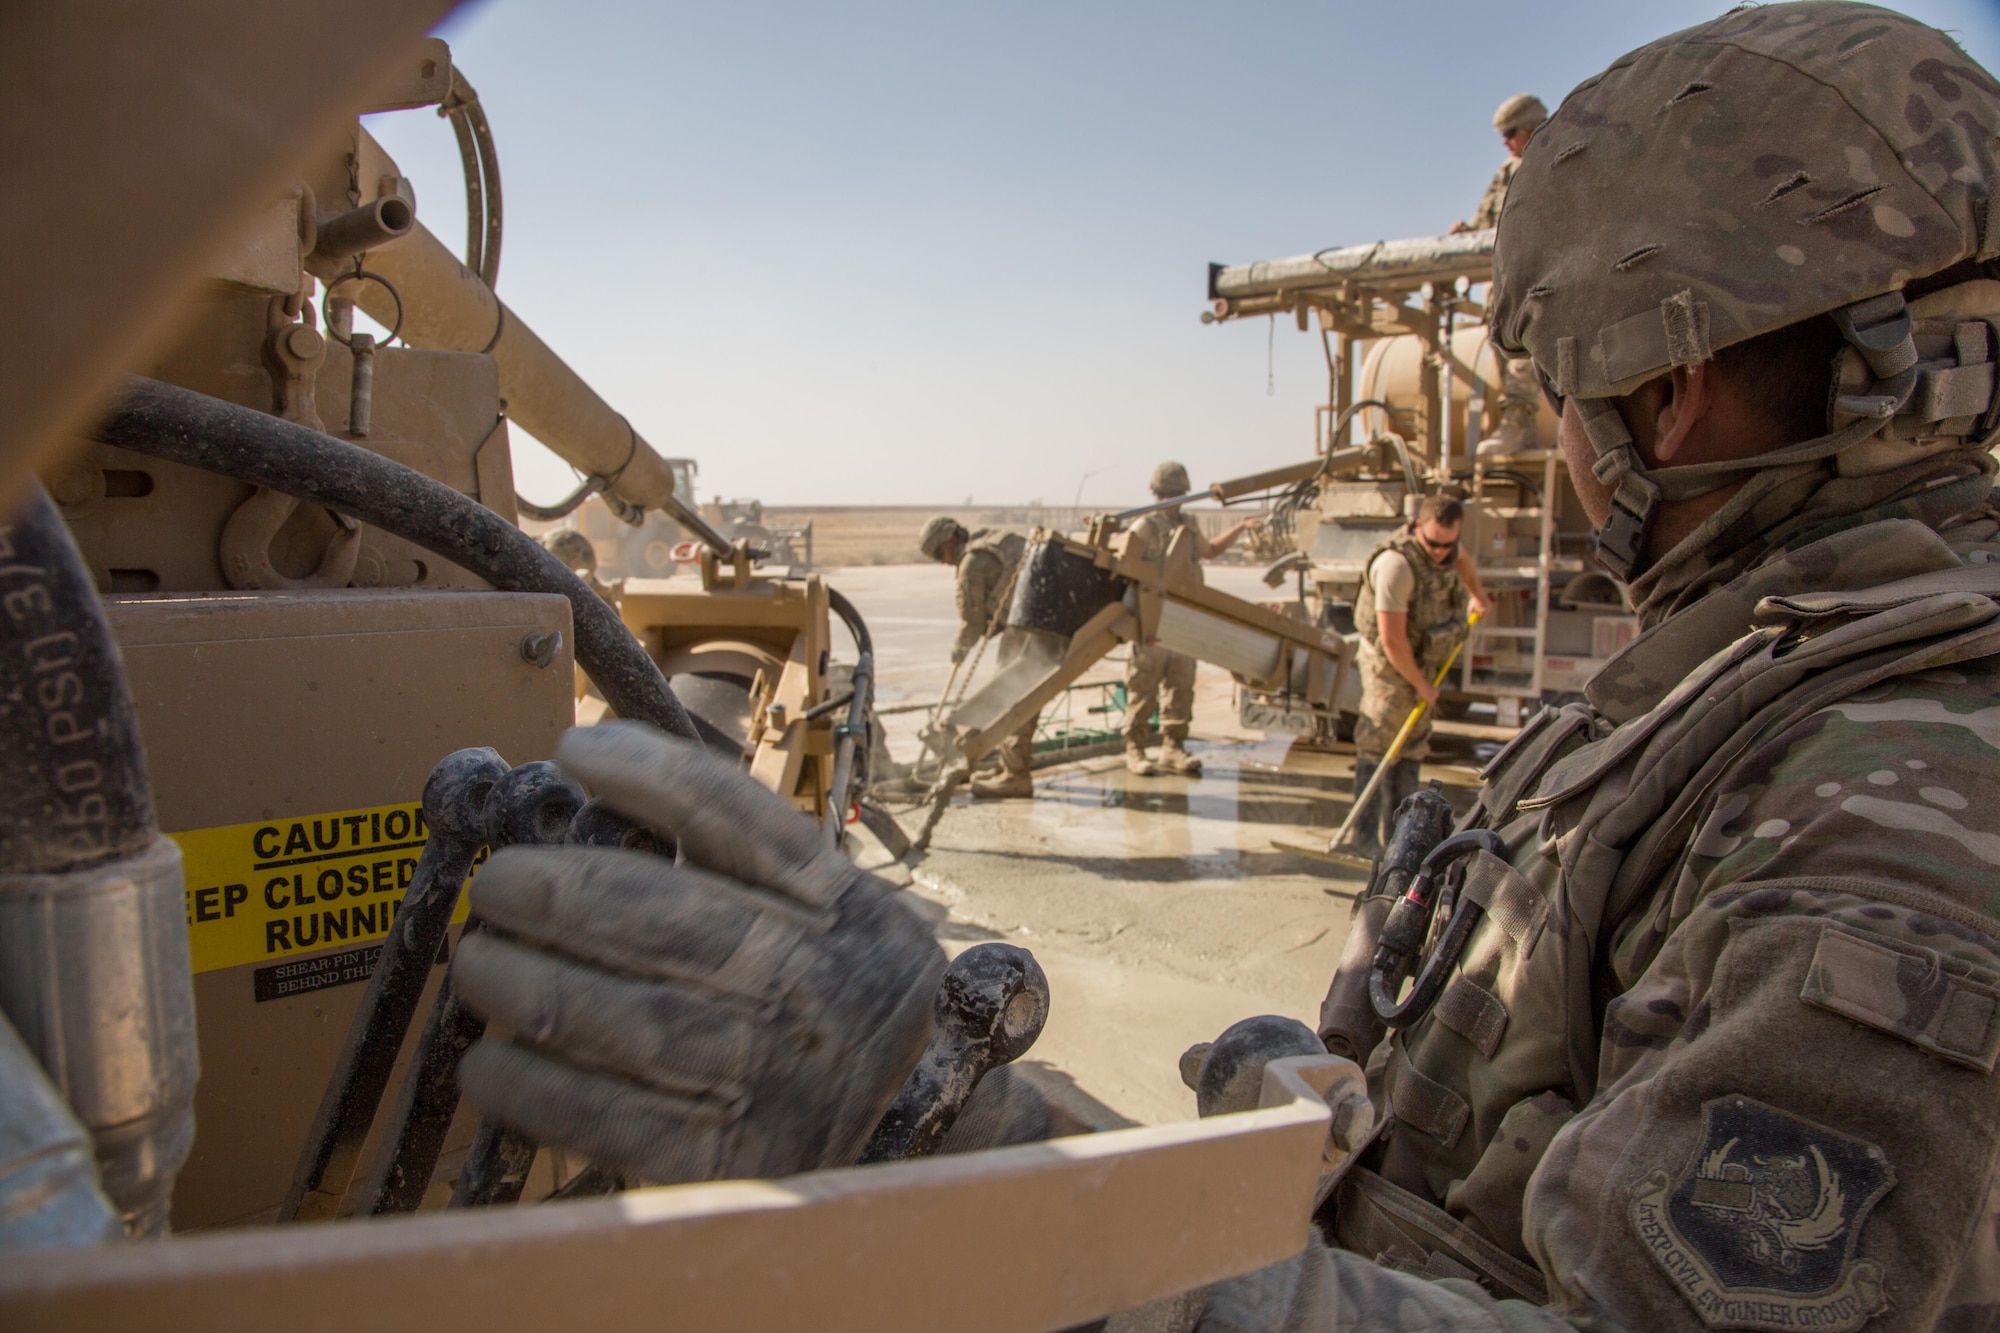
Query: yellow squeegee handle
[(1396, 746)]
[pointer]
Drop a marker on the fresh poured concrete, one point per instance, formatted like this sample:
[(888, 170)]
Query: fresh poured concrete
[(1160, 907)]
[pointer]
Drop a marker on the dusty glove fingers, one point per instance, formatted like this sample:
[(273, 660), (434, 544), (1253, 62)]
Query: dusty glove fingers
[(723, 819), (678, 1040), (639, 1132), (645, 917), (673, 982)]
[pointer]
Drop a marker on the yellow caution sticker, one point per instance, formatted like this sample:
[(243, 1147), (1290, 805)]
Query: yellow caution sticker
[(282, 888)]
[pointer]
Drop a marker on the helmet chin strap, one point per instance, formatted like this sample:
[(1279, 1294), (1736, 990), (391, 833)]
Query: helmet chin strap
[(1879, 328)]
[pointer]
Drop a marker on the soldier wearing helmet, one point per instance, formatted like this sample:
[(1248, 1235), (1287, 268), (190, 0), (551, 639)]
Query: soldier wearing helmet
[(1157, 677), (986, 562), (1689, 1065), (579, 555), (1517, 120)]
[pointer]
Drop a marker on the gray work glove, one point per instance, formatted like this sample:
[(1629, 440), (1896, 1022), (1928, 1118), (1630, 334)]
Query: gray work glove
[(750, 1012)]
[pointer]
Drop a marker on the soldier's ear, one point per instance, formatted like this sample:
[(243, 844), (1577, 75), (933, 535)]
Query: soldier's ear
[(1690, 396)]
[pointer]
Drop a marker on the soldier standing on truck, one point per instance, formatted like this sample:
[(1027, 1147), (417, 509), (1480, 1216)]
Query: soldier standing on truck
[(1156, 676), (986, 562), (1415, 591), (1517, 120), (1717, 1043)]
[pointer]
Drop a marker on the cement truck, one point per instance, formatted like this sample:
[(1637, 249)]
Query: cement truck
[(1416, 385)]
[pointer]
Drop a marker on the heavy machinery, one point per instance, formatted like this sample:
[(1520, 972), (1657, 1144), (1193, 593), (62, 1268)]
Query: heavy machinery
[(1414, 406), (298, 667), (279, 583), (634, 544)]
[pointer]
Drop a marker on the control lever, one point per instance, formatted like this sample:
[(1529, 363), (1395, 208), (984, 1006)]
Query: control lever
[(532, 803), (454, 809)]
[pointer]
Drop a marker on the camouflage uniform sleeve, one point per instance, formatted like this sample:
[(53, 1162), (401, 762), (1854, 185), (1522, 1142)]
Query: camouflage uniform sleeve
[(1488, 212), (978, 582), (1797, 1113), (1323, 1290)]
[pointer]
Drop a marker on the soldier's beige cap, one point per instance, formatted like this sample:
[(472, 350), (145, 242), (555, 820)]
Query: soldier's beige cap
[(1774, 164), (1522, 111)]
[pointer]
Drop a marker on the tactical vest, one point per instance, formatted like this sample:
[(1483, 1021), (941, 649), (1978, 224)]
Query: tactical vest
[(1155, 532), (1437, 606), (1005, 546), (1596, 805)]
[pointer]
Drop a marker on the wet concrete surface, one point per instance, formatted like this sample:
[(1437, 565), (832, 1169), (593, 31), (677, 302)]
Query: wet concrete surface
[(1163, 909)]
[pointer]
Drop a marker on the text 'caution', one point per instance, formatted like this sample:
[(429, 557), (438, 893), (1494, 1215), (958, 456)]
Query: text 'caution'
[(283, 887)]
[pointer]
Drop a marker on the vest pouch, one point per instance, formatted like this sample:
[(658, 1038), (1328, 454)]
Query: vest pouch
[(1494, 1191)]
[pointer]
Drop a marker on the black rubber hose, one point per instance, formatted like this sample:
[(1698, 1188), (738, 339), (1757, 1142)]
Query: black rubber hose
[(848, 747), (851, 617), (182, 426), (73, 787)]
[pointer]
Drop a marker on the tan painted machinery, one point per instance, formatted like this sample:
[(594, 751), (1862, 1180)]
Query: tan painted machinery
[(1417, 403), (298, 667), (280, 668)]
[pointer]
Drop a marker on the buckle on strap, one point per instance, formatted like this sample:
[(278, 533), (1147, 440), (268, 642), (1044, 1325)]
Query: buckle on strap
[(1620, 543)]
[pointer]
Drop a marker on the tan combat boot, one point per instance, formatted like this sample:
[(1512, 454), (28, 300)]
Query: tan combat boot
[(1003, 787), (1174, 758), (1136, 762)]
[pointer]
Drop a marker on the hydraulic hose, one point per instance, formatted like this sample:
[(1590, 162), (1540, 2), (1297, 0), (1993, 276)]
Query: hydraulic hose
[(94, 967), (73, 792), (182, 426), (848, 734)]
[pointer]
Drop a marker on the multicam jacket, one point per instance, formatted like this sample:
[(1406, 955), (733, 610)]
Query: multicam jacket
[(983, 574), (1490, 203), (1720, 1052), (1437, 608)]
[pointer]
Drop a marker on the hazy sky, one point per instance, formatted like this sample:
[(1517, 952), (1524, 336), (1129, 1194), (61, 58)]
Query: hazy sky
[(911, 253)]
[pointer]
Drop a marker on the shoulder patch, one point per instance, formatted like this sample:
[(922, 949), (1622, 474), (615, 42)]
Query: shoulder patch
[(1948, 1008), (1760, 1228)]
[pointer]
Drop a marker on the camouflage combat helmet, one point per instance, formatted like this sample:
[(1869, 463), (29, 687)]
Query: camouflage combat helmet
[(573, 549), (1522, 111), (1171, 479), (939, 533), (1739, 177)]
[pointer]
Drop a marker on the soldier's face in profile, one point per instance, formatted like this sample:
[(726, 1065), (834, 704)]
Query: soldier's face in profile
[(1516, 141), (1440, 543)]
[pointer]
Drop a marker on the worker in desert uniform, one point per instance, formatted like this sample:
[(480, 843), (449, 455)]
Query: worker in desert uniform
[(1517, 120), (1157, 677), (986, 562), (1416, 590), (1713, 1040)]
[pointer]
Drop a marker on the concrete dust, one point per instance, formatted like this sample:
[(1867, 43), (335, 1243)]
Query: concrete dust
[(1159, 907)]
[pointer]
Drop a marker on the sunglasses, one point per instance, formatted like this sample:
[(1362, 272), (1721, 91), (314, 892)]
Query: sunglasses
[(1429, 545)]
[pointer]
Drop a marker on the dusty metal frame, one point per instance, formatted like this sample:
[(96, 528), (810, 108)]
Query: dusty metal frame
[(1019, 1240)]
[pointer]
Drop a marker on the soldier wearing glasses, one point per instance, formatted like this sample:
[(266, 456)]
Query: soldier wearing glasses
[(1415, 592)]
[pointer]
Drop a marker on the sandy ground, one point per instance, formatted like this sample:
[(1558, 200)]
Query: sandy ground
[(1162, 909)]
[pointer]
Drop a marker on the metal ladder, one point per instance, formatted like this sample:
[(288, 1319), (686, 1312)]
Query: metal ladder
[(1507, 701)]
